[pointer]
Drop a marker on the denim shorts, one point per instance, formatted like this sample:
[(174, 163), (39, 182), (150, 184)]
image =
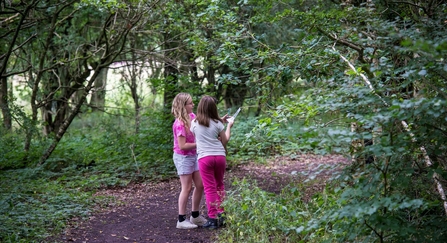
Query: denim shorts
[(185, 164)]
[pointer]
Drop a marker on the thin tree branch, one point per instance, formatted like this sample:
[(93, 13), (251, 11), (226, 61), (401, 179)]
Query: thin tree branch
[(413, 138), (412, 4), (374, 230), (16, 73), (18, 47), (341, 41), (14, 39), (8, 19), (357, 48), (110, 53)]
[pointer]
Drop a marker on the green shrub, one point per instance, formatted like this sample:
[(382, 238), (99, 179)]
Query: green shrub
[(33, 207), (97, 151), (13, 155), (364, 212), (254, 215)]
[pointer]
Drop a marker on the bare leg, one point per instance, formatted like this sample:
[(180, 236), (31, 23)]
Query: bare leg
[(198, 191), (186, 181)]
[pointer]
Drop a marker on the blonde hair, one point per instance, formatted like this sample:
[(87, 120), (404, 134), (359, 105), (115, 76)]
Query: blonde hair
[(179, 111)]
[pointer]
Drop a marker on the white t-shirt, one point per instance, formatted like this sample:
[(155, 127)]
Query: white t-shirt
[(207, 143)]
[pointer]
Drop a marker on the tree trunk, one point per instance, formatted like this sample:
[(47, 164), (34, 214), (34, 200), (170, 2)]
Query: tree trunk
[(210, 76), (171, 87), (4, 103), (137, 117), (115, 46), (133, 85), (98, 99), (66, 122), (260, 102), (56, 106), (6, 54), (171, 72), (234, 95)]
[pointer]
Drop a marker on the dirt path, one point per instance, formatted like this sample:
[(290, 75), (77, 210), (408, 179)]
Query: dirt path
[(148, 212)]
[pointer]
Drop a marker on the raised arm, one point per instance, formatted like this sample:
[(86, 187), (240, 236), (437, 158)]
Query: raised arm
[(226, 134)]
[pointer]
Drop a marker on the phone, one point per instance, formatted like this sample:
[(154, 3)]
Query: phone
[(231, 119)]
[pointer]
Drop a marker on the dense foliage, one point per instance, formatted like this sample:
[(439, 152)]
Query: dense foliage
[(363, 78)]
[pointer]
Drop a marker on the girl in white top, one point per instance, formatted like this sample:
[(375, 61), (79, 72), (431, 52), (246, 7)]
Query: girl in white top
[(211, 140)]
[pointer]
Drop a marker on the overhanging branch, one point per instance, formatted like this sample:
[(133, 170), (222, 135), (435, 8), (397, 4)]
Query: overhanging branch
[(357, 48), (407, 128)]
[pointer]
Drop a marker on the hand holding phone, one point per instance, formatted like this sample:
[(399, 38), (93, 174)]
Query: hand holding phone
[(231, 119)]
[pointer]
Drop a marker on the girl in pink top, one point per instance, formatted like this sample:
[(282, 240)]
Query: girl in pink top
[(185, 160)]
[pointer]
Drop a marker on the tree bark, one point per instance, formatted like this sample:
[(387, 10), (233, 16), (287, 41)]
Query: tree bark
[(112, 48), (171, 71), (234, 95), (98, 99), (35, 81), (4, 101), (171, 87), (4, 104), (134, 73)]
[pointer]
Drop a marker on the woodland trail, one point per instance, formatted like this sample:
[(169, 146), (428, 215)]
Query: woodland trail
[(147, 212)]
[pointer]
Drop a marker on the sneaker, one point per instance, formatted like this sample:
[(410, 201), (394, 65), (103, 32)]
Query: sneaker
[(210, 224), (198, 221), (185, 224), (221, 219)]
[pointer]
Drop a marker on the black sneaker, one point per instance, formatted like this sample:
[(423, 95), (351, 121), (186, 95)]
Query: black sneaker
[(211, 224), (221, 219)]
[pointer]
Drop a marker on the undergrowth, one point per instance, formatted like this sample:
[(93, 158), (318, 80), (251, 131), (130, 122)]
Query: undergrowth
[(97, 152), (35, 204), (388, 200), (254, 215), (394, 197)]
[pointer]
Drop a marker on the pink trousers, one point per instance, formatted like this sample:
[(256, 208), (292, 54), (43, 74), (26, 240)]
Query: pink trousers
[(212, 170)]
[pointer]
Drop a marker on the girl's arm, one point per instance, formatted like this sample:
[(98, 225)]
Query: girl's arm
[(184, 145), (225, 135)]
